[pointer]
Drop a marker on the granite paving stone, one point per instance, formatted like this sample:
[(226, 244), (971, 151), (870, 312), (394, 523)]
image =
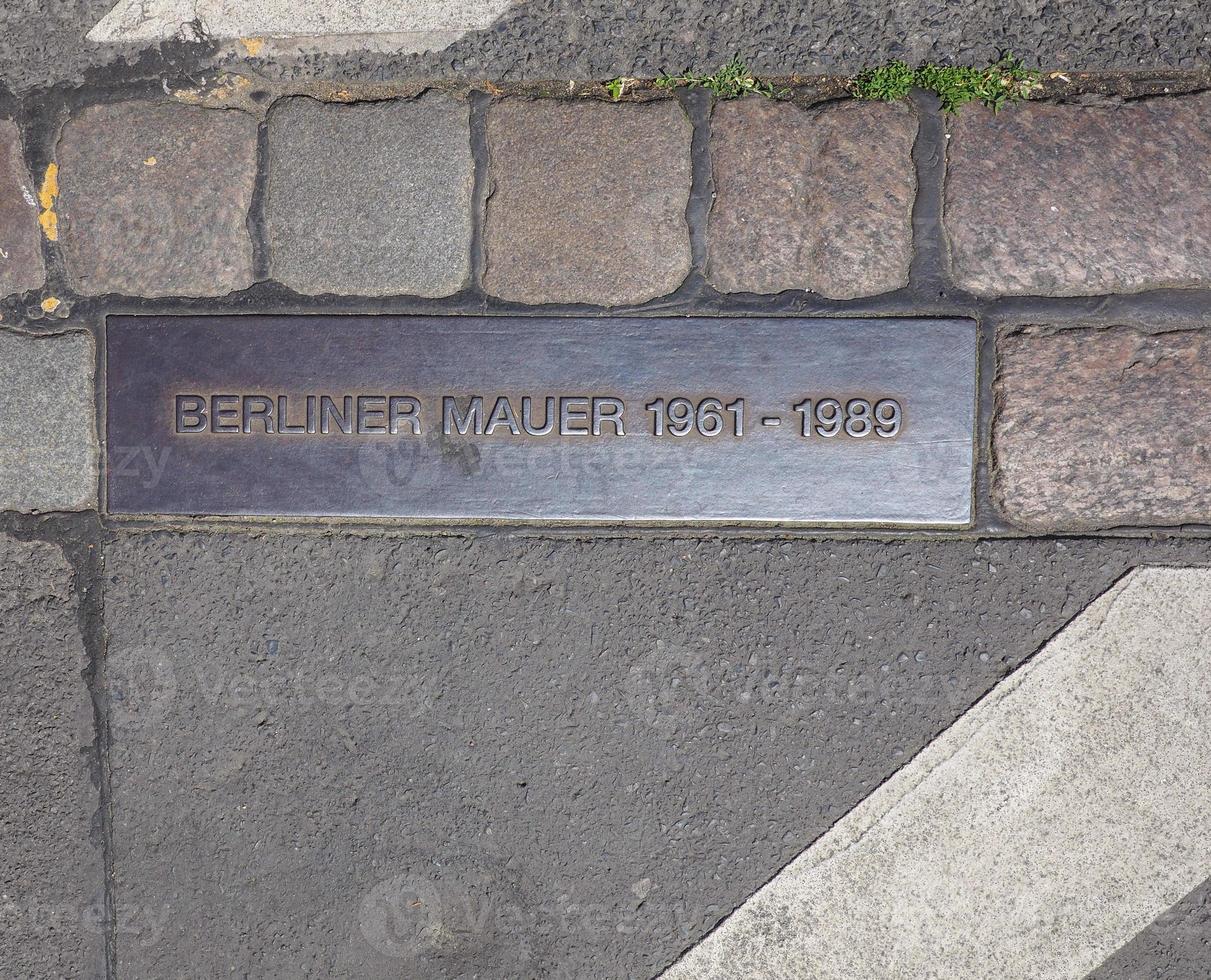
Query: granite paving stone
[(1102, 427), (370, 199), (501, 756), (819, 199), (154, 199), (48, 440), (51, 875), (588, 201), (1072, 200), (21, 265)]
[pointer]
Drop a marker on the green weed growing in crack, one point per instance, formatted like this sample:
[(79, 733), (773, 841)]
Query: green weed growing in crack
[(1006, 80), (617, 87), (732, 80), (887, 83)]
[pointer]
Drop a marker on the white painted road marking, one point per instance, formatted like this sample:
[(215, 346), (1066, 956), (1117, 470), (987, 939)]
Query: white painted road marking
[(158, 20), (1036, 836)]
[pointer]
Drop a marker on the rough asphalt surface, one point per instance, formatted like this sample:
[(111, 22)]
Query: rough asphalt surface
[(1177, 946), (51, 873), (503, 756), (41, 44)]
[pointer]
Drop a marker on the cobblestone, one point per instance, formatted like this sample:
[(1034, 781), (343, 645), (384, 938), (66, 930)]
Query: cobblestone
[(818, 199), (154, 199), (588, 201), (370, 199), (1069, 200), (360, 749), (21, 265), (48, 442), (1099, 428)]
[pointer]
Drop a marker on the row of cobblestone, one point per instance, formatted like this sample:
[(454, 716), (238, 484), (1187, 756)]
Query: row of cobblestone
[(1093, 427), (587, 200)]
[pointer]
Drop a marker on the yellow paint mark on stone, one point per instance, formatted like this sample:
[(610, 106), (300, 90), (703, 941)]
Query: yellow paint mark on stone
[(50, 304), (50, 187), (50, 225), (48, 219), (252, 45), (219, 92), (149, 162)]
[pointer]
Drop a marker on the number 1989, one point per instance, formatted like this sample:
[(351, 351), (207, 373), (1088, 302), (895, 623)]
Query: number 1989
[(856, 418)]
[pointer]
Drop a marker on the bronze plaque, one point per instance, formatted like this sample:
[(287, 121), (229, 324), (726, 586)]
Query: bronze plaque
[(616, 419)]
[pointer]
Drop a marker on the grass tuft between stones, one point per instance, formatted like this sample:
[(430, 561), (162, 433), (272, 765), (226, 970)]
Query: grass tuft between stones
[(1005, 80), (732, 80)]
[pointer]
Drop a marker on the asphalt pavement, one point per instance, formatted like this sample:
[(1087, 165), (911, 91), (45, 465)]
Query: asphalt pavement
[(44, 44)]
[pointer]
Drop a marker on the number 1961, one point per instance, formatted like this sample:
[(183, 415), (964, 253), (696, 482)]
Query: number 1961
[(710, 417), (856, 418)]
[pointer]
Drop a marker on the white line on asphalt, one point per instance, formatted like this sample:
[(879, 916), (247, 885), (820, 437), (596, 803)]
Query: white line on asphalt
[(158, 20), (1040, 833)]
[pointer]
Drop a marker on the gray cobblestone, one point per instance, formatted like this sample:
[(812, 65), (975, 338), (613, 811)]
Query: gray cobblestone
[(48, 442), (370, 199)]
